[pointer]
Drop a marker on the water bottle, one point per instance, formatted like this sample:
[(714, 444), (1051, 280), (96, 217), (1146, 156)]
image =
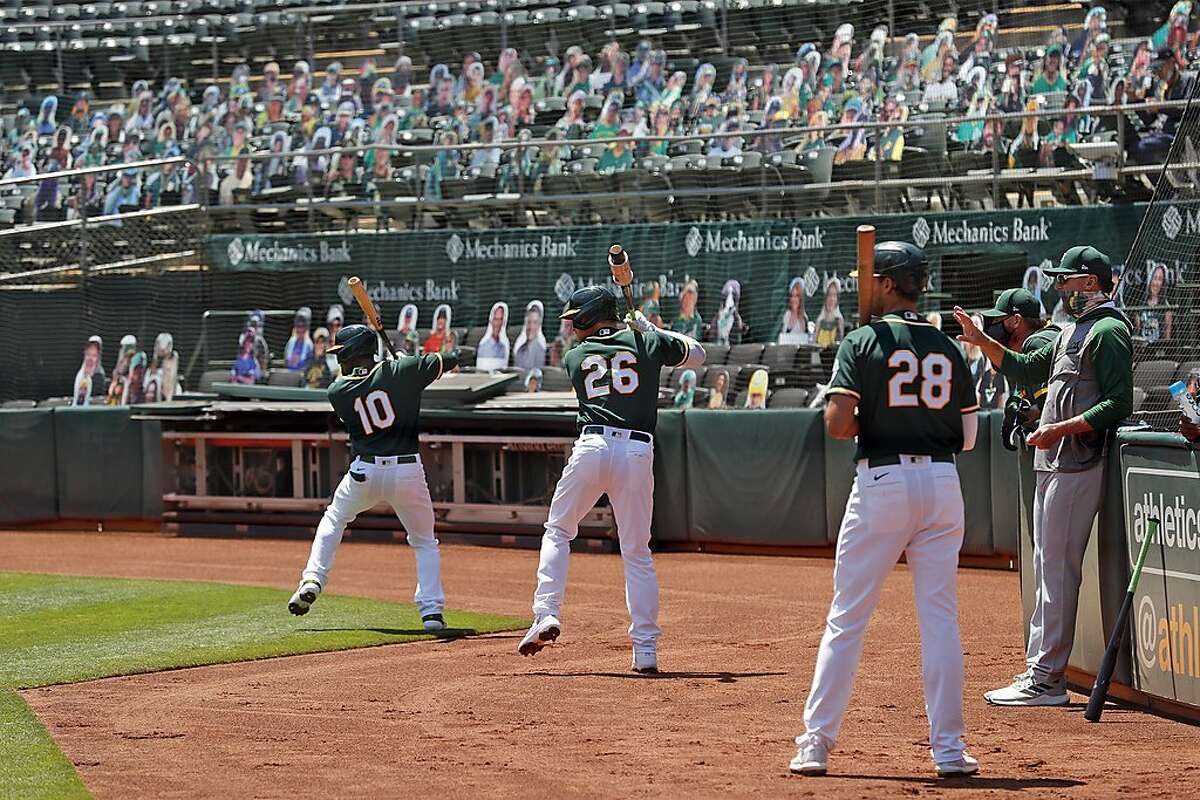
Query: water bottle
[(1187, 403)]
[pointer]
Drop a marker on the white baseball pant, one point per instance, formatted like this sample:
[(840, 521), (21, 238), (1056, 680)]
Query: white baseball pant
[(624, 469), (915, 508), (403, 487)]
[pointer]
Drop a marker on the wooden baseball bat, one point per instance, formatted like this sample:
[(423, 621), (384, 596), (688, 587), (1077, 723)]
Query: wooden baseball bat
[(866, 271), (1095, 705), (622, 274), (372, 313)]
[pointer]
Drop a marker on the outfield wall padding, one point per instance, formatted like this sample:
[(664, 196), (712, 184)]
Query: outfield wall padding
[(99, 457), (79, 463), (756, 477), (774, 478), (671, 504), (30, 483)]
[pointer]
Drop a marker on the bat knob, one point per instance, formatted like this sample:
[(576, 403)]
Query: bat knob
[(617, 256)]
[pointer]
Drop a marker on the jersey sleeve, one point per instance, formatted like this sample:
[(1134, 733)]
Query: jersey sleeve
[(1112, 355), (846, 374), (671, 351), (433, 366), (1028, 368), (965, 393)]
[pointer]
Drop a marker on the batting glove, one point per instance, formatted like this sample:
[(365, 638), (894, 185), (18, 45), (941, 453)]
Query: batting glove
[(635, 319)]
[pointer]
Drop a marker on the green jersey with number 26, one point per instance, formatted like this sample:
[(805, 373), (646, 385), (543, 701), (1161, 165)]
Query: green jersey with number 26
[(381, 406), (615, 375), (912, 385)]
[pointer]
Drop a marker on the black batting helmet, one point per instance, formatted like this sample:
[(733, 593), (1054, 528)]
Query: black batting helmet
[(906, 264), (353, 341), (590, 305)]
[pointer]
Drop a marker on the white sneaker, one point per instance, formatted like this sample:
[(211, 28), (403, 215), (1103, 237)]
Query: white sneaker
[(812, 758), (304, 597), (542, 632), (1027, 690), (961, 767), (645, 662)]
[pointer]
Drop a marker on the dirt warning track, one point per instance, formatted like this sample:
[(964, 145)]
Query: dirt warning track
[(470, 718)]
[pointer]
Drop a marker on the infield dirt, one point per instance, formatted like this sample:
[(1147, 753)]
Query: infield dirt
[(470, 718)]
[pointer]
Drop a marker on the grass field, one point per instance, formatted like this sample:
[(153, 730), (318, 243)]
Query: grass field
[(58, 629)]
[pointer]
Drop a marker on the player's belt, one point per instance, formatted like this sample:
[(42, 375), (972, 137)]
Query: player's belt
[(388, 460), (617, 433), (896, 460)]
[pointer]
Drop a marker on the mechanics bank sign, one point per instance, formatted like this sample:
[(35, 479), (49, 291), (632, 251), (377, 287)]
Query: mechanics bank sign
[(247, 251), (493, 248), (758, 240), (994, 230)]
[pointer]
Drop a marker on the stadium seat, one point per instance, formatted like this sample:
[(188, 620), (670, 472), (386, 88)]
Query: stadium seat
[(1185, 369), (715, 354), (1139, 398), (211, 376), (788, 398), (285, 377), (554, 379), (1154, 373), (745, 354)]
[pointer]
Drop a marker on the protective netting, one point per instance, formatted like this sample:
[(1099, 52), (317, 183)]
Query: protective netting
[(470, 225), (1159, 282)]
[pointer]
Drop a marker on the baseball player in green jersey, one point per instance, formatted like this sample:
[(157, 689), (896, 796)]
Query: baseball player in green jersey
[(615, 372), (903, 388), (1016, 322), (1088, 371), (379, 402)]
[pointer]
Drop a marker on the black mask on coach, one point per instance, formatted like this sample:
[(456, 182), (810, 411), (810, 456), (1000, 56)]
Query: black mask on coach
[(998, 332)]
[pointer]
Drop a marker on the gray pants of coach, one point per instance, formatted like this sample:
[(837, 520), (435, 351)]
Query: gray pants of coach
[(1065, 505)]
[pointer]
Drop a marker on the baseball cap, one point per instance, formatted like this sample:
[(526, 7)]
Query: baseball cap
[(1014, 301), (1084, 260)]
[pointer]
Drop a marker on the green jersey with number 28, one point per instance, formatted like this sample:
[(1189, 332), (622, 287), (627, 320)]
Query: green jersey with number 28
[(615, 375), (912, 385), (381, 406)]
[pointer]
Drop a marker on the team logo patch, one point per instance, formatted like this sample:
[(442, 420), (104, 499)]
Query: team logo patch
[(344, 290), (454, 248), (1172, 222), (812, 281), (920, 232), (564, 287), (1045, 282), (236, 251)]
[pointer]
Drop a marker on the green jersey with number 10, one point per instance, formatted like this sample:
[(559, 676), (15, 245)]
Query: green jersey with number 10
[(912, 385), (615, 375), (381, 406)]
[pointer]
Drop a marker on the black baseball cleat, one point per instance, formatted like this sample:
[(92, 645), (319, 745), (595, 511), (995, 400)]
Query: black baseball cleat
[(304, 597), (433, 622)]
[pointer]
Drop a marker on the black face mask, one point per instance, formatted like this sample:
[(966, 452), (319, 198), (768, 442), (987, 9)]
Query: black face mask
[(998, 332)]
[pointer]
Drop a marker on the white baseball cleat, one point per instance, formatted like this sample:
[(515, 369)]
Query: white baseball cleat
[(1027, 690), (304, 597), (960, 767), (645, 662), (542, 632), (433, 622), (812, 758)]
